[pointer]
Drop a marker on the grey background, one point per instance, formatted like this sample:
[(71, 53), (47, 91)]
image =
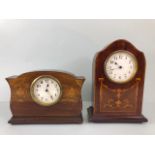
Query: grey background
[(70, 45)]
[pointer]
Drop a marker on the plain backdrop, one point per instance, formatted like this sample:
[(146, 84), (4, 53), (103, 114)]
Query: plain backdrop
[(70, 45)]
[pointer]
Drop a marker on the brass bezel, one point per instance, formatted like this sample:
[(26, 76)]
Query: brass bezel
[(34, 97), (135, 70)]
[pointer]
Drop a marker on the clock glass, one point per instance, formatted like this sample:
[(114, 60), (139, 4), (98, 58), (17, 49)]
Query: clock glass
[(46, 90), (121, 66)]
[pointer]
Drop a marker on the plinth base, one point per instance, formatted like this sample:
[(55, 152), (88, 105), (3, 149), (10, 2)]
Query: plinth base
[(114, 119), (46, 120)]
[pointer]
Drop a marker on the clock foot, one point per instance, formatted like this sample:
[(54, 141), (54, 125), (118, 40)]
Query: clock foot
[(100, 118), (47, 120)]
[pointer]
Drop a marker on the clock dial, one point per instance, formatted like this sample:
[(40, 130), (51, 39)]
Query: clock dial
[(121, 66), (46, 90)]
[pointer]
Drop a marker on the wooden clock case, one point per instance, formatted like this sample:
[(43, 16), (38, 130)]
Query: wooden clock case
[(26, 111), (114, 102)]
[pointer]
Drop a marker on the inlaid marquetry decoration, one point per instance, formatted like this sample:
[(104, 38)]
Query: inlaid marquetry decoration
[(118, 81), (118, 99), (46, 97)]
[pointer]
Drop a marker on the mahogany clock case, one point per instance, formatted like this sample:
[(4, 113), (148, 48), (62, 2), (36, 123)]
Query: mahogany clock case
[(26, 111), (115, 102)]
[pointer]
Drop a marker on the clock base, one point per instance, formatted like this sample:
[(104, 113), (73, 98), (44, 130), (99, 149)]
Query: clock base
[(46, 120), (114, 119)]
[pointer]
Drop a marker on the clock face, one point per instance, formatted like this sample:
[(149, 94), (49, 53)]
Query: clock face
[(46, 90), (121, 66)]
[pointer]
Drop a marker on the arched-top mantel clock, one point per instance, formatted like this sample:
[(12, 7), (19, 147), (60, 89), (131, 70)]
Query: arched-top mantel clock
[(118, 81)]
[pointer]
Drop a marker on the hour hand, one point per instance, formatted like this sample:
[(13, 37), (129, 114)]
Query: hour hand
[(46, 90), (115, 63), (119, 67), (113, 68), (47, 85)]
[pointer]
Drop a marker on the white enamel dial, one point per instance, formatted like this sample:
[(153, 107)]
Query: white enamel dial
[(121, 66), (46, 90)]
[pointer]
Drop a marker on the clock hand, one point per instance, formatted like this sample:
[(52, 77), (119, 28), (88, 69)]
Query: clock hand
[(116, 63), (120, 67), (113, 68), (46, 90)]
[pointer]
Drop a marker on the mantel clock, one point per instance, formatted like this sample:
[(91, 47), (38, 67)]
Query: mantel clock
[(118, 81), (44, 97)]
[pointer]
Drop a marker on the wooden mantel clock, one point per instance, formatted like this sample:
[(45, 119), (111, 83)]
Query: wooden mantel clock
[(118, 81), (44, 97)]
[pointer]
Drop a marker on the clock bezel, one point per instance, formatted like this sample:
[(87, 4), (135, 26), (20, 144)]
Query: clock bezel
[(135, 69), (34, 98)]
